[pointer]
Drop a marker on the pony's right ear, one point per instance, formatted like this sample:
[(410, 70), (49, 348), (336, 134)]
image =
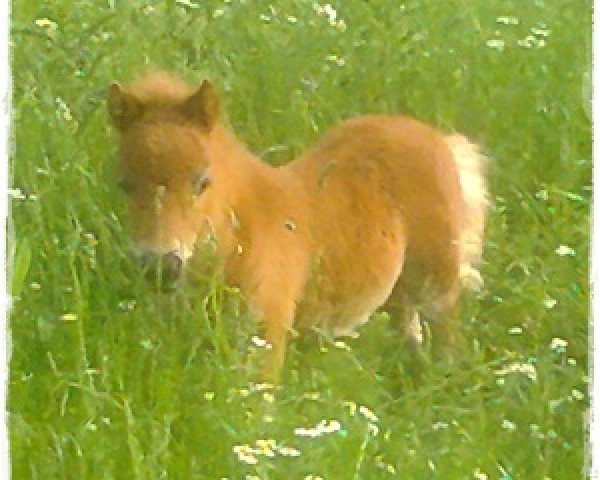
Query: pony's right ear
[(203, 106), (123, 106)]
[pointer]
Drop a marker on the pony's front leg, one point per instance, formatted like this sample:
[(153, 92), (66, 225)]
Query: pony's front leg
[(276, 310), (274, 291)]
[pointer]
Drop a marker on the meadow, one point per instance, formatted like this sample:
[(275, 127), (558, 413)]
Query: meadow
[(111, 380)]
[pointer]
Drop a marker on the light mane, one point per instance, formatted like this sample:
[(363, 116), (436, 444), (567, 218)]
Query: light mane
[(161, 88)]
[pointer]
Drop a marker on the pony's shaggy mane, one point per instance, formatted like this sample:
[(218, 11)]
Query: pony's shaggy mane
[(160, 88)]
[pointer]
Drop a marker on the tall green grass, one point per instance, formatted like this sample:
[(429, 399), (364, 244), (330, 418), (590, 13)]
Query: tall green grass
[(110, 380)]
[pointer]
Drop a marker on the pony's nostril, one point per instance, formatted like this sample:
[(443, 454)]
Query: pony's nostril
[(172, 265)]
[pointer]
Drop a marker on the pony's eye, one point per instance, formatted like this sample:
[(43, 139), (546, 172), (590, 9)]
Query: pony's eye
[(127, 186), (200, 183)]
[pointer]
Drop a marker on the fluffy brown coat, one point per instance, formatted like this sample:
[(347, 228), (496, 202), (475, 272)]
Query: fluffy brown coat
[(382, 209)]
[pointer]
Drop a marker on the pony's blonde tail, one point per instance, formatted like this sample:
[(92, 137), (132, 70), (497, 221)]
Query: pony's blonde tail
[(471, 165)]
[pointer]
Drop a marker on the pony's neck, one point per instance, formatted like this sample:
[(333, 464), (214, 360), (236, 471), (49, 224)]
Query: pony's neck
[(232, 156), (245, 185)]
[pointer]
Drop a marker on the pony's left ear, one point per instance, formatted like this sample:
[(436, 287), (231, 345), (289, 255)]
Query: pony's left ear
[(123, 106), (203, 106)]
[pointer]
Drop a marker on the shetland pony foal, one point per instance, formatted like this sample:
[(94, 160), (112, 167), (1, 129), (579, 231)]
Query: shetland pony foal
[(384, 210)]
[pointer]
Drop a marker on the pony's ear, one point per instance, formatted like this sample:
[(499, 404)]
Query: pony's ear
[(123, 106), (203, 106)]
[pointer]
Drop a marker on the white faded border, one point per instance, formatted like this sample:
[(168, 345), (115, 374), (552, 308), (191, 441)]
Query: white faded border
[(593, 447), (4, 149)]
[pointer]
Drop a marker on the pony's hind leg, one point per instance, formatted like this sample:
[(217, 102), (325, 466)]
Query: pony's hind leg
[(441, 313), (427, 319), (406, 320)]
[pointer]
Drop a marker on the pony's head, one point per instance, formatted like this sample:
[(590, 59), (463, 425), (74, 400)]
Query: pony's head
[(165, 165)]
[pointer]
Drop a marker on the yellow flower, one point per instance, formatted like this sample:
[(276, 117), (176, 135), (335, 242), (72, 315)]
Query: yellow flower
[(46, 23), (265, 447), (268, 397), (373, 429)]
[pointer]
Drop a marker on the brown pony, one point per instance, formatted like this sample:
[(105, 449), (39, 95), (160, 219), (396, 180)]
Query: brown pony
[(383, 211)]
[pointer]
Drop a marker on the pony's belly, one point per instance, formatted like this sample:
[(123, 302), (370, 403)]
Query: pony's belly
[(352, 279), (340, 319), (343, 312), (345, 322)]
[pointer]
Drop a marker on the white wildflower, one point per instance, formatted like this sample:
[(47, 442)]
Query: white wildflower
[(373, 429), (16, 193), (439, 426), (288, 451), (508, 425), (261, 342), (542, 195), (531, 41), (550, 302), (187, 3), (329, 427), (339, 61), (331, 14), (368, 414), (577, 395), (542, 32), (311, 395), (526, 42), (322, 428), (524, 368), (495, 44), (91, 426), (507, 20), (479, 475), (245, 454), (564, 250), (341, 345), (558, 344)]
